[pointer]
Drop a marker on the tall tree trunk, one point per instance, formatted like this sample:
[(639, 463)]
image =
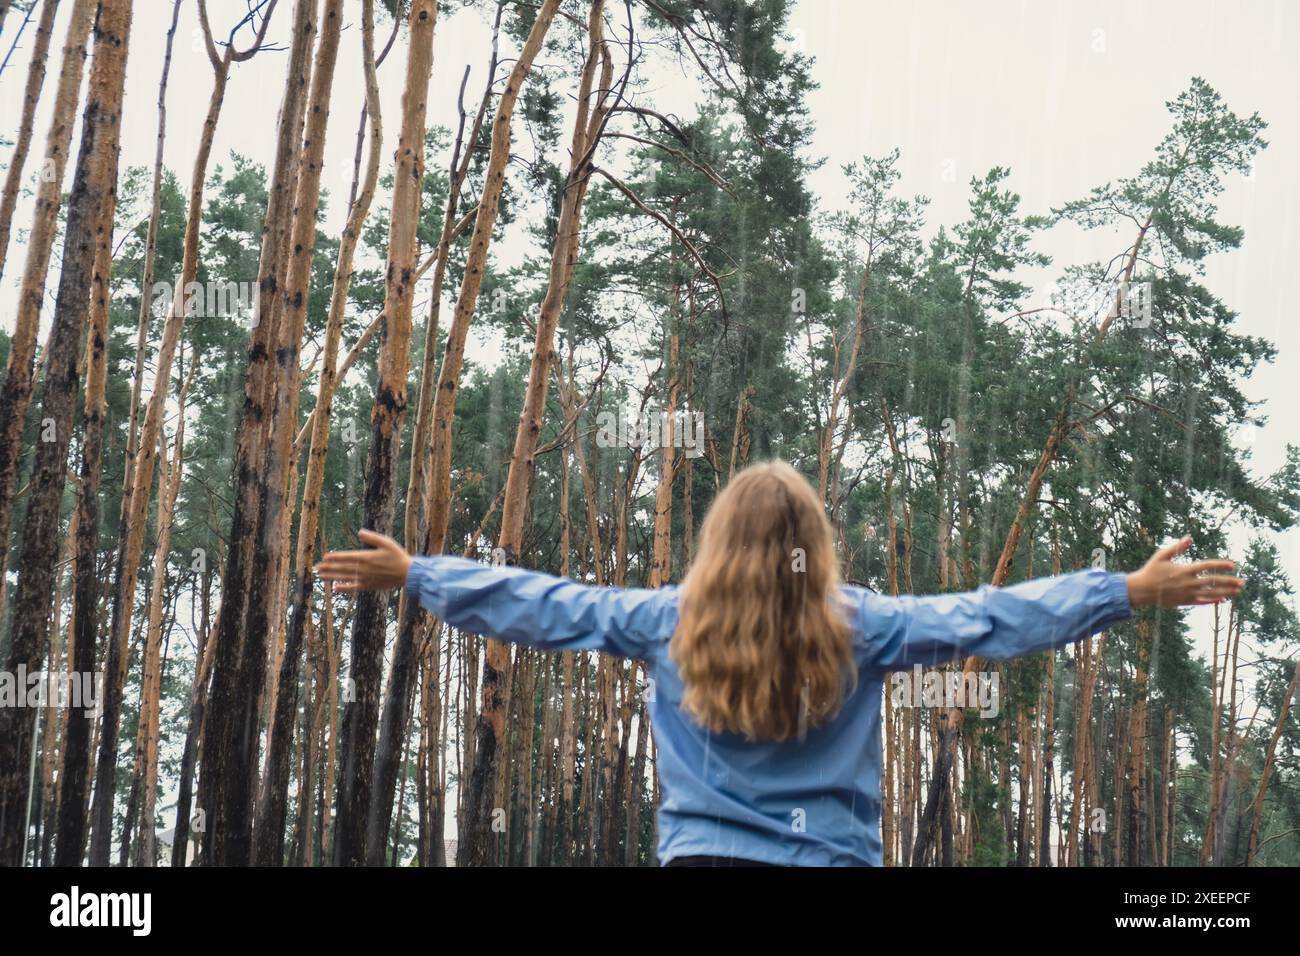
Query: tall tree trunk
[(358, 736), (332, 691), (889, 826), (1219, 679), (569, 736), (142, 334), (16, 395), (309, 514), (226, 695), (137, 382), (1088, 661), (1219, 800), (439, 487), (1138, 811), (86, 588), (411, 620), (660, 574), (1061, 428), (826, 445), (740, 434), (151, 667), (1171, 816), (1270, 756), (562, 795), (136, 503), (55, 736), (189, 755), (1160, 807), (31, 96), (1048, 768), (90, 226), (265, 581), (564, 254), (432, 719), (150, 256)]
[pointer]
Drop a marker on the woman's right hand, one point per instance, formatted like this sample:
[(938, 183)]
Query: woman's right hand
[(1164, 583)]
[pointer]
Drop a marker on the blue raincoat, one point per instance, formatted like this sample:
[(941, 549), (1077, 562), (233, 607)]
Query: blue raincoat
[(809, 801)]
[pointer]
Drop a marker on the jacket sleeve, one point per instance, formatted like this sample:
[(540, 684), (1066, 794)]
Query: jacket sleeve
[(541, 610), (993, 623)]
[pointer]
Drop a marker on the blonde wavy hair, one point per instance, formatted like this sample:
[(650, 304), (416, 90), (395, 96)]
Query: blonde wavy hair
[(761, 646)]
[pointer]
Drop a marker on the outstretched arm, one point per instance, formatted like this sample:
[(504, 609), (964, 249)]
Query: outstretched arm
[(508, 603), (1000, 623)]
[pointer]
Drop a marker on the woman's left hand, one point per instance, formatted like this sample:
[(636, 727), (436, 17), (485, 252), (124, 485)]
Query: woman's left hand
[(383, 565), (1163, 582)]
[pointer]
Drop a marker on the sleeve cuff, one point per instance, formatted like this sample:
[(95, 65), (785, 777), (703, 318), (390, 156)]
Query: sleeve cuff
[(422, 582), (1117, 603)]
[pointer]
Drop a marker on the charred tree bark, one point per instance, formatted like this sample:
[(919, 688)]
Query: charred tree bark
[(219, 732), (1138, 811), (410, 617), (90, 226), (564, 253), (276, 787), (360, 716), (16, 395), (86, 589), (135, 505), (236, 790)]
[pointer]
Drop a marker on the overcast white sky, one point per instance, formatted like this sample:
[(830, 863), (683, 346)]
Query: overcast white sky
[(1066, 94), (1070, 95)]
